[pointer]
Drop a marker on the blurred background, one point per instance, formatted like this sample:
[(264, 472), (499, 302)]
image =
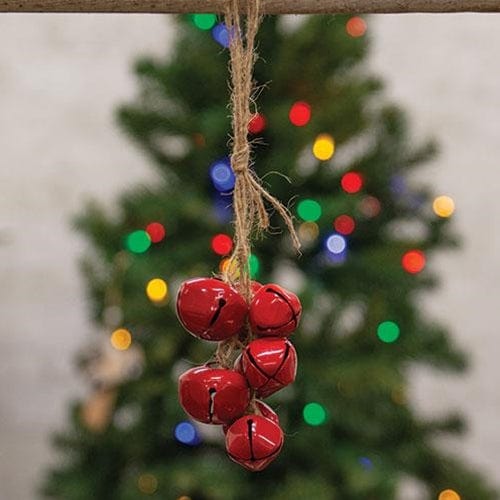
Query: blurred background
[(61, 78)]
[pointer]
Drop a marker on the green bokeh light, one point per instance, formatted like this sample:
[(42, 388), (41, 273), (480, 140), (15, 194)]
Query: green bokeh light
[(138, 241), (314, 414), (204, 21), (309, 210), (388, 332), (254, 265)]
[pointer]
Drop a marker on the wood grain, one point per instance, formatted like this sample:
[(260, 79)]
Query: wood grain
[(268, 6)]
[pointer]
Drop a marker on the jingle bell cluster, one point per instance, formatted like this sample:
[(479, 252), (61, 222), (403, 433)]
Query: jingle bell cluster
[(213, 310)]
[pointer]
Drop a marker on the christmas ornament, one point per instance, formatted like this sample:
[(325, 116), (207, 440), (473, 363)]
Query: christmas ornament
[(213, 395), (210, 309), (254, 441), (274, 311), (269, 364), (215, 310)]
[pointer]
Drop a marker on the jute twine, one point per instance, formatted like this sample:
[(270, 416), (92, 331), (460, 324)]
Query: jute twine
[(249, 196)]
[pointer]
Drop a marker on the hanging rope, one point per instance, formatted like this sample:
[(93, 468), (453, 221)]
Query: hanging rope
[(249, 196)]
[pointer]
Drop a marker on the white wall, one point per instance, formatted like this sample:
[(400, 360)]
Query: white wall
[(60, 79)]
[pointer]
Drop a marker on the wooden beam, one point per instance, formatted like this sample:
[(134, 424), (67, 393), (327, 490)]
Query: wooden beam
[(268, 6)]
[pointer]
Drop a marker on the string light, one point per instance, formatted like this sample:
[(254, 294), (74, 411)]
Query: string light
[(388, 332), (138, 241), (370, 206), (257, 123), (443, 206), (147, 484), (157, 290), (323, 147), (413, 261), (300, 113), (449, 495), (351, 182), (314, 414), (336, 244), (221, 35), (222, 175), (344, 224), (121, 339), (186, 433), (156, 231), (309, 210), (356, 27), (254, 265), (204, 21), (308, 232), (222, 244)]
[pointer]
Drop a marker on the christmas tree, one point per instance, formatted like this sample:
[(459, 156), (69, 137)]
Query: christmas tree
[(325, 141)]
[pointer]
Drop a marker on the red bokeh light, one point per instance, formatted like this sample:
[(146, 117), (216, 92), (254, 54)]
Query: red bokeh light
[(413, 261), (300, 114), (356, 27), (257, 123), (351, 182), (222, 244), (344, 224), (156, 231)]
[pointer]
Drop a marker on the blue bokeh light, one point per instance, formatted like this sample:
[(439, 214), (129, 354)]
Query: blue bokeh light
[(222, 175), (366, 463), (222, 208), (221, 34), (336, 244), (186, 433)]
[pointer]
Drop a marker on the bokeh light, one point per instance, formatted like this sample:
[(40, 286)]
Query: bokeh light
[(254, 265), (356, 27), (388, 332), (413, 261), (308, 232), (157, 290), (449, 495), (300, 114), (443, 206), (366, 463), (184, 497), (309, 210), (121, 339), (221, 34), (204, 21), (186, 433), (369, 206), (257, 123), (222, 244), (351, 182), (222, 175), (324, 147), (156, 231), (147, 484), (314, 414), (229, 267), (336, 244), (138, 241), (344, 224)]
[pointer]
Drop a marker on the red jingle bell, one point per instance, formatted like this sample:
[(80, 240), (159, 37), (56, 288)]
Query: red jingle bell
[(211, 309), (274, 311), (262, 409), (213, 395), (269, 364), (254, 441)]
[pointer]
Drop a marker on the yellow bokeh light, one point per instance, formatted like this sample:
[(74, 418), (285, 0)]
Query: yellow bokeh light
[(443, 206), (147, 483), (157, 290), (184, 497), (449, 495), (324, 147), (229, 268), (121, 339), (308, 232)]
